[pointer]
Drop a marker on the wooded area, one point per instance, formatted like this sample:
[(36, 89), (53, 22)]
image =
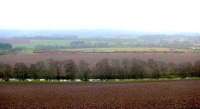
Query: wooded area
[(104, 69)]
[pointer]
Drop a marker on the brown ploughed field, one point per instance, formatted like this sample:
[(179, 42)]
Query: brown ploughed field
[(92, 58), (183, 94)]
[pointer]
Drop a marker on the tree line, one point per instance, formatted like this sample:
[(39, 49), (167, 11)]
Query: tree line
[(5, 46), (103, 69)]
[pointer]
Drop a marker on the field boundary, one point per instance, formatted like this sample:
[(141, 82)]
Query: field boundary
[(97, 80)]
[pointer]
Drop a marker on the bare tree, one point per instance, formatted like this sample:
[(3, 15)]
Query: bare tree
[(70, 69), (154, 67), (103, 69), (84, 70), (116, 69), (55, 69), (196, 68), (137, 68), (21, 71), (33, 72), (184, 69), (126, 67), (5, 71)]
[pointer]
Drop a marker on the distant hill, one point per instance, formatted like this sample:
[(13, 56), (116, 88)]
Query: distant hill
[(87, 34), (70, 33)]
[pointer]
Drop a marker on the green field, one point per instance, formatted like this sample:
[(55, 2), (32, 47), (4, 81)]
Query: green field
[(113, 46), (137, 49)]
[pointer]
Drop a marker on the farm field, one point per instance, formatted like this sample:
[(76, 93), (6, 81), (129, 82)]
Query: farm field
[(183, 94), (93, 45), (99, 54), (127, 49), (92, 58)]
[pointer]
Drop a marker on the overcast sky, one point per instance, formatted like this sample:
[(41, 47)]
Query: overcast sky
[(136, 15)]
